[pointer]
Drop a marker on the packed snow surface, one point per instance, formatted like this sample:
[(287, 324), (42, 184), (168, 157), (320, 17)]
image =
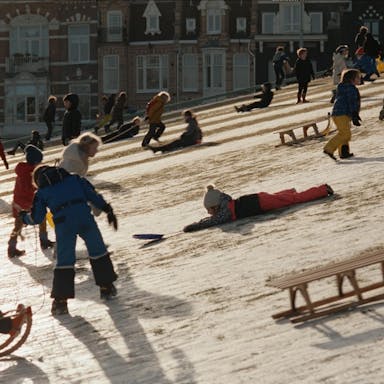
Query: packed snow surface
[(195, 308)]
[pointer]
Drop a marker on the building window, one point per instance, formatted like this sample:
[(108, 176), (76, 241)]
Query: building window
[(115, 26), (190, 25), (316, 22), (78, 37), (213, 21), (152, 73), (241, 24), (29, 40), (190, 72), (240, 71), (84, 93), (111, 74), (290, 15), (152, 15), (268, 20), (373, 27)]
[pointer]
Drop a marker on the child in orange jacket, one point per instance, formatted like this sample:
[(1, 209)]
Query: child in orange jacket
[(23, 195), (154, 111)]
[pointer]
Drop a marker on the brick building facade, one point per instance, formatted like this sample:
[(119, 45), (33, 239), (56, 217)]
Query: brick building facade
[(192, 48)]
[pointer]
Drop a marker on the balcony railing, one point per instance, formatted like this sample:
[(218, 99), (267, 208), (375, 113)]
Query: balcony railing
[(112, 35), (26, 63)]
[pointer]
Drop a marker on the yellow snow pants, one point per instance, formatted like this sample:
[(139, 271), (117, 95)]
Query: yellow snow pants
[(343, 135)]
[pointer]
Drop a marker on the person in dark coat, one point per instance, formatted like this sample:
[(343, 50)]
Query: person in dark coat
[(127, 130), (67, 198), (191, 136), (2, 155), (34, 140), (223, 209), (361, 36), (49, 116), (372, 50), (72, 118), (265, 97), (117, 112), (304, 73), (278, 61)]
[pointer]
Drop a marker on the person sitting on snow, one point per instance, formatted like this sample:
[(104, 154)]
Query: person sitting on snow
[(34, 140), (265, 97), (126, 131), (191, 136), (223, 209), (67, 197)]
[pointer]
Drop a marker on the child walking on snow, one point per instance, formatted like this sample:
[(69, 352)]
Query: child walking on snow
[(304, 72), (67, 197), (222, 208), (345, 109), (265, 97), (23, 194)]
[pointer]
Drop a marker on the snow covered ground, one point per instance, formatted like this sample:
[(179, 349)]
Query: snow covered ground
[(195, 308)]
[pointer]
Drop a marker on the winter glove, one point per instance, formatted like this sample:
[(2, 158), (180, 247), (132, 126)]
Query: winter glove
[(112, 220), (26, 218), (356, 119)]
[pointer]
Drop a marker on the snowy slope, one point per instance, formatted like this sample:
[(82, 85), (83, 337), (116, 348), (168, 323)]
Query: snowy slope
[(195, 308)]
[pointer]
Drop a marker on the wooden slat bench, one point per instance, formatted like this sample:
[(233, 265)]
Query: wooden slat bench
[(344, 270), (304, 127)]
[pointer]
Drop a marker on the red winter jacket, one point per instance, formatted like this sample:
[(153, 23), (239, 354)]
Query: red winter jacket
[(24, 189)]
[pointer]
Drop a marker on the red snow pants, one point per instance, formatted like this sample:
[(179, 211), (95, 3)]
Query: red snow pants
[(270, 201)]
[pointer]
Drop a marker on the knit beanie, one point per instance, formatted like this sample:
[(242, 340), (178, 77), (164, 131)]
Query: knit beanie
[(33, 155), (211, 197)]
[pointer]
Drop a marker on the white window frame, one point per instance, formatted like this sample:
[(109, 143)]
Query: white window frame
[(114, 26), (373, 26), (214, 21), (190, 25), (190, 72), (111, 74), (241, 24), (144, 67), (266, 27), (292, 26), (241, 78), (313, 15), (82, 41)]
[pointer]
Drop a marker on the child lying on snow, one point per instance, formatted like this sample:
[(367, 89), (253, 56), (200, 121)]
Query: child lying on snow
[(223, 208)]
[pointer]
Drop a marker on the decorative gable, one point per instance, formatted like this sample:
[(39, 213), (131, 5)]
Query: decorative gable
[(152, 15)]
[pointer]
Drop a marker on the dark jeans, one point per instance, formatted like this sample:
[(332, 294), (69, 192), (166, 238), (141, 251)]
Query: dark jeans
[(179, 143), (303, 87), (154, 132), (49, 130), (5, 325), (279, 72)]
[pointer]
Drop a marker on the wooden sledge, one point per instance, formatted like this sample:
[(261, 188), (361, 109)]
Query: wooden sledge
[(304, 128), (16, 340), (341, 271)]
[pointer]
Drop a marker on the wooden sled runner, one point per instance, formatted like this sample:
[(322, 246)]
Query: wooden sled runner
[(15, 341), (290, 132), (342, 271)]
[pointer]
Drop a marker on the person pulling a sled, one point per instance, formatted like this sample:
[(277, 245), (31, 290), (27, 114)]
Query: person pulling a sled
[(67, 197), (222, 208)]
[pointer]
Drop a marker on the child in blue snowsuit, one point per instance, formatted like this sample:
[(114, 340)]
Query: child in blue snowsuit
[(67, 197)]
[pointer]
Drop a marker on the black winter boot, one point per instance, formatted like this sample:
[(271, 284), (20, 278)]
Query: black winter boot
[(59, 307), (344, 152), (45, 243), (12, 250), (108, 292)]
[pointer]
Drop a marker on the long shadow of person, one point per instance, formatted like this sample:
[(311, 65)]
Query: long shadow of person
[(141, 364), (22, 371)]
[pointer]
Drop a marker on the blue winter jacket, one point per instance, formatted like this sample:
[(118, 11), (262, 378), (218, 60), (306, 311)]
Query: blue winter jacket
[(69, 194), (347, 100)]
